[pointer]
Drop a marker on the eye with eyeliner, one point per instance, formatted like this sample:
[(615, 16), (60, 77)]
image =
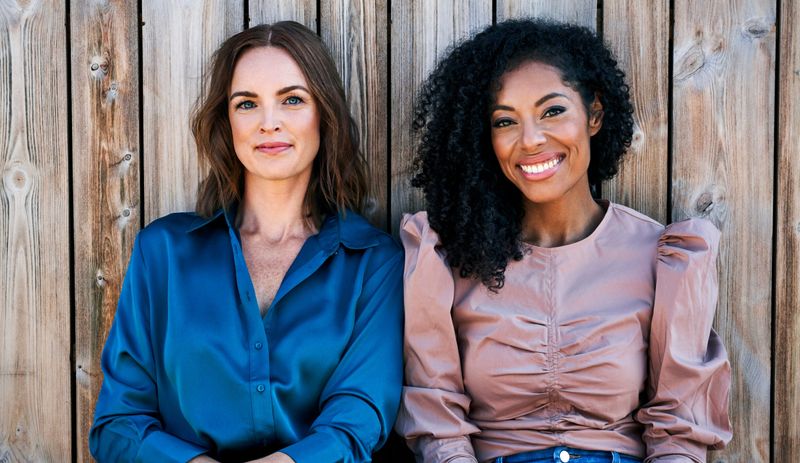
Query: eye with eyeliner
[(245, 104), (293, 100), (502, 122), (553, 111)]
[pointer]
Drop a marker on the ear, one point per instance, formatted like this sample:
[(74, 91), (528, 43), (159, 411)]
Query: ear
[(595, 116)]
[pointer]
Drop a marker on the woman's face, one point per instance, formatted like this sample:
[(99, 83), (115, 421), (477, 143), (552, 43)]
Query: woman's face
[(274, 118), (540, 133)]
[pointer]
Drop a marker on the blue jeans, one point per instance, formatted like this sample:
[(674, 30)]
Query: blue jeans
[(568, 454)]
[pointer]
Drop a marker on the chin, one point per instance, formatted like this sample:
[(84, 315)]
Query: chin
[(541, 197)]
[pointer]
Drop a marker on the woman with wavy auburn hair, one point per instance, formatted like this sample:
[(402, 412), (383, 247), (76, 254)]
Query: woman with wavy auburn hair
[(267, 326)]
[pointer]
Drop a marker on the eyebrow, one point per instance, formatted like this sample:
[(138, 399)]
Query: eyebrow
[(549, 96), (249, 94), (539, 102), (292, 87), (244, 93)]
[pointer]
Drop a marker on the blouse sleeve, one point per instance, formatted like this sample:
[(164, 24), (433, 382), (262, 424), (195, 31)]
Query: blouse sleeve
[(433, 413), (127, 424), (689, 376)]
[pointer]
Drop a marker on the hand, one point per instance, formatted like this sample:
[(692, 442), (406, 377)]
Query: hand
[(276, 457), (203, 459)]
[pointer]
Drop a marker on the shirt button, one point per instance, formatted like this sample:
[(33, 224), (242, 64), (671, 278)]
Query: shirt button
[(258, 346), (563, 456), (260, 388)]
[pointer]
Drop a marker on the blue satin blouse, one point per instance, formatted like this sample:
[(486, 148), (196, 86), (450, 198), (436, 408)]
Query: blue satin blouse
[(191, 367)]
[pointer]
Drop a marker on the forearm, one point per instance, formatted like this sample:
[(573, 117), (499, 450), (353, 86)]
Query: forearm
[(277, 457)]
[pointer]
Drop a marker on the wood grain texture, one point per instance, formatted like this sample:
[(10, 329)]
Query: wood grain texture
[(787, 260), (178, 38), (35, 400), (421, 31), (581, 12), (723, 121), (106, 159), (639, 38), (270, 11), (356, 34)]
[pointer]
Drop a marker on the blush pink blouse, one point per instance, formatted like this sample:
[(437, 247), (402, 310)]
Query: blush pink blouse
[(602, 344)]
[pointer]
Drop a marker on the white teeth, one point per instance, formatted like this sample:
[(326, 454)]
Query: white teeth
[(541, 167)]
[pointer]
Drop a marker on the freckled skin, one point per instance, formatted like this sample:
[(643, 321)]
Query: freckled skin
[(269, 113)]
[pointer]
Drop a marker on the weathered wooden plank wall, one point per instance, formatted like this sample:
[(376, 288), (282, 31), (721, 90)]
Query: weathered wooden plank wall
[(714, 137), (638, 37), (35, 396), (786, 366), (583, 12), (722, 168), (106, 157)]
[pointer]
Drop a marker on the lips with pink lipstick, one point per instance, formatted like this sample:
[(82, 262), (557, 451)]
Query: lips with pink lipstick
[(541, 166), (273, 147)]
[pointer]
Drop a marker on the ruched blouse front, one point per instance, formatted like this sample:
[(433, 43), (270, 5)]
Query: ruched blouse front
[(602, 344)]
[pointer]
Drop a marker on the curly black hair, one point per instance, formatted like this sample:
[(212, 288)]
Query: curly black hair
[(474, 208)]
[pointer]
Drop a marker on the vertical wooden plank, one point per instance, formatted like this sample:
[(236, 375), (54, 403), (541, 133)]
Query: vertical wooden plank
[(178, 38), (270, 11), (787, 260), (106, 214), (639, 38), (420, 32), (35, 394), (356, 34), (723, 120), (581, 12)]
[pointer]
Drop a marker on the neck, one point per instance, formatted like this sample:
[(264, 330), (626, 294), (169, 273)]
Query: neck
[(564, 221), (274, 211)]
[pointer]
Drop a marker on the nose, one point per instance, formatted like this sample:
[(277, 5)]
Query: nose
[(270, 120), (532, 136)]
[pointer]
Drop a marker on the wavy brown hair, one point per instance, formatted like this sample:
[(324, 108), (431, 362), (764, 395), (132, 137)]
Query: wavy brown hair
[(338, 179)]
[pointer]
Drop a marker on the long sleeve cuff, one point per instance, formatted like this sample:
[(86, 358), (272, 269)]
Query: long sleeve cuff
[(430, 449), (671, 459), (316, 447), (164, 447)]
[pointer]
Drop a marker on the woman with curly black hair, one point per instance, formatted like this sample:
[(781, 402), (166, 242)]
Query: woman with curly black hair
[(543, 325)]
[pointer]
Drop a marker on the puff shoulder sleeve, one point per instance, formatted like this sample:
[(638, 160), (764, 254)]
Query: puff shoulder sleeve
[(689, 375), (434, 409)]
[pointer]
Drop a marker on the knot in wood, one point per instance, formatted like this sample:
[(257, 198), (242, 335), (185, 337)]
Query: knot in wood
[(755, 28), (705, 203), (637, 139), (17, 178), (111, 94), (99, 67), (692, 61), (100, 279)]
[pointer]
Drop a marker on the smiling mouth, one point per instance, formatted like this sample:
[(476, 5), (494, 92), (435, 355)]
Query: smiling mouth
[(544, 166), (273, 148)]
